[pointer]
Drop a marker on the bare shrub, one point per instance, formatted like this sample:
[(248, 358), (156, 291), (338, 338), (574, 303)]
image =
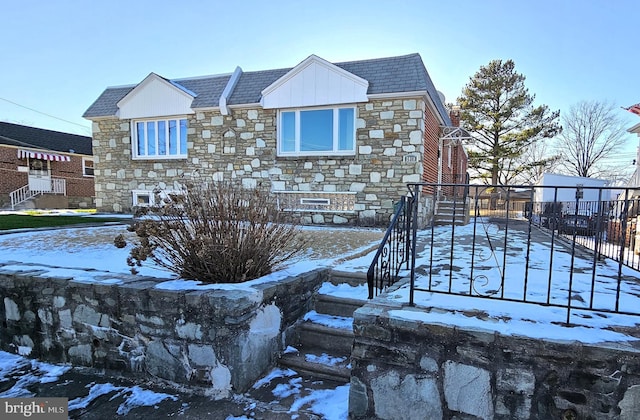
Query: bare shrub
[(215, 233)]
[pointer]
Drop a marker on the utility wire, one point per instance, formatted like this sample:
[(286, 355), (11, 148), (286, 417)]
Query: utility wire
[(44, 113)]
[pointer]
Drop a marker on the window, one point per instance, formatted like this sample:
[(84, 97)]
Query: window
[(142, 198), (87, 167), (154, 139), (325, 131), (145, 198), (39, 167), (318, 202)]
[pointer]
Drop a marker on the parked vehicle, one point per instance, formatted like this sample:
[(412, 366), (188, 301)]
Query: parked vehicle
[(581, 224)]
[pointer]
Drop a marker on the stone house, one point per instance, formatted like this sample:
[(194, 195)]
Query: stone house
[(337, 142), (44, 169)]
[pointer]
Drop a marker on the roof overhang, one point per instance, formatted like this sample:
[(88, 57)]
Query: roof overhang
[(454, 134), (635, 129)]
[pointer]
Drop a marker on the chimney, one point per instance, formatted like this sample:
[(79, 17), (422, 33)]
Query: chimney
[(454, 115)]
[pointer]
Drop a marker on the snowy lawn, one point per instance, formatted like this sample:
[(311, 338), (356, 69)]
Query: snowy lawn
[(540, 267), (88, 254)]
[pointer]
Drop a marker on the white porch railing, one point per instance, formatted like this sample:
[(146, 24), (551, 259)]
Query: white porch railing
[(58, 186)]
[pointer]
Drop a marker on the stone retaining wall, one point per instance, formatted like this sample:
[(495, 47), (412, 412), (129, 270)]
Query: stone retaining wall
[(407, 369), (214, 339)]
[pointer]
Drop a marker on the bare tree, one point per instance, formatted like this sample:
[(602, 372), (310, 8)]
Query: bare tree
[(591, 133), (533, 163)]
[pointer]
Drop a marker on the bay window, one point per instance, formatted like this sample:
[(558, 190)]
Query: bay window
[(322, 131), (157, 139)]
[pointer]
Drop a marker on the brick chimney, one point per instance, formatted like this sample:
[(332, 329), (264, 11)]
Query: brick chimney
[(454, 115)]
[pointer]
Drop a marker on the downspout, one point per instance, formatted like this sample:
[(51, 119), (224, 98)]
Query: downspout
[(440, 149), (228, 90)]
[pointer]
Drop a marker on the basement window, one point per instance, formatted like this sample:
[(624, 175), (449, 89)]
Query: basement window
[(315, 201)]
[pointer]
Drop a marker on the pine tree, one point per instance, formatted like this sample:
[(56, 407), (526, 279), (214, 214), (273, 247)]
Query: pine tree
[(498, 111)]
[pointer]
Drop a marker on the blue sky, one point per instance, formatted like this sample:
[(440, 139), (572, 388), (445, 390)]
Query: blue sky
[(58, 56)]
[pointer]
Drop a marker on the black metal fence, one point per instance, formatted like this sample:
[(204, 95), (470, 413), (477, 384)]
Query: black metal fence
[(394, 251), (571, 247)]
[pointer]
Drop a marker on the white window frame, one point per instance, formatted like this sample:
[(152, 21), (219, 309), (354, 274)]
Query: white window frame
[(152, 196), (137, 193), (134, 139), (334, 151), (316, 201), (84, 167)]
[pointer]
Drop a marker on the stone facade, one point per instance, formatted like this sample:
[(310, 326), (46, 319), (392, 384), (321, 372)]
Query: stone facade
[(403, 368), (390, 152), (214, 340)]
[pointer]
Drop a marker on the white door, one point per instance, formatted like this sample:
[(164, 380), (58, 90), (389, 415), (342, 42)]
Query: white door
[(39, 175)]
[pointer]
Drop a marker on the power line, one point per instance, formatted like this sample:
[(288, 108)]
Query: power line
[(44, 113)]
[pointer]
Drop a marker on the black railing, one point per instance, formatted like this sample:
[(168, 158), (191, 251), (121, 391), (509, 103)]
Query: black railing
[(574, 248), (393, 252)]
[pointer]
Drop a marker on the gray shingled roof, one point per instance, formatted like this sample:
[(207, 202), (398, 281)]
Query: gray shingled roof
[(385, 75), (39, 138), (107, 103)]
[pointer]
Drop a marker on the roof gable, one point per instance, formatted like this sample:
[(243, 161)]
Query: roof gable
[(314, 82), (156, 96)]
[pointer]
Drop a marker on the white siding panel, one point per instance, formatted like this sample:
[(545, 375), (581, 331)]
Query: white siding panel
[(309, 82), (155, 98), (323, 76), (316, 84), (296, 89)]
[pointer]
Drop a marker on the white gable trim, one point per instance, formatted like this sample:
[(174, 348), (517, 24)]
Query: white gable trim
[(228, 90), (635, 129), (155, 97), (314, 82)]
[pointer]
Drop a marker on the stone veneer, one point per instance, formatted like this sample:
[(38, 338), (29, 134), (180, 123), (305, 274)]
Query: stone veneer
[(242, 146), (404, 367), (216, 339)]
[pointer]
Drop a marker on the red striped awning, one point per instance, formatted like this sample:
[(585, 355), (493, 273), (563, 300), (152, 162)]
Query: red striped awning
[(23, 154)]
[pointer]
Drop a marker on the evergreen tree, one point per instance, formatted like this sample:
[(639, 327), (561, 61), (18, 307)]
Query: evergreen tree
[(498, 111)]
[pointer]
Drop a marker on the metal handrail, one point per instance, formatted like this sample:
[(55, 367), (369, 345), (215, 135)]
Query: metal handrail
[(393, 252), (21, 195)]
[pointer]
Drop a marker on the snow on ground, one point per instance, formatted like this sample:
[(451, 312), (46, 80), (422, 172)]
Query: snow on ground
[(87, 254), (12, 365), (76, 253), (535, 267)]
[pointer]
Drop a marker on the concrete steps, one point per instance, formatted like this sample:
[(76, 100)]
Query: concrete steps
[(321, 344), (451, 212)]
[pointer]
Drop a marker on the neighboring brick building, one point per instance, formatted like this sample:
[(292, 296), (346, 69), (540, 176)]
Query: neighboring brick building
[(337, 142), (44, 169)]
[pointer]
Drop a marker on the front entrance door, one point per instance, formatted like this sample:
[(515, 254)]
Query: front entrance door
[(39, 175)]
